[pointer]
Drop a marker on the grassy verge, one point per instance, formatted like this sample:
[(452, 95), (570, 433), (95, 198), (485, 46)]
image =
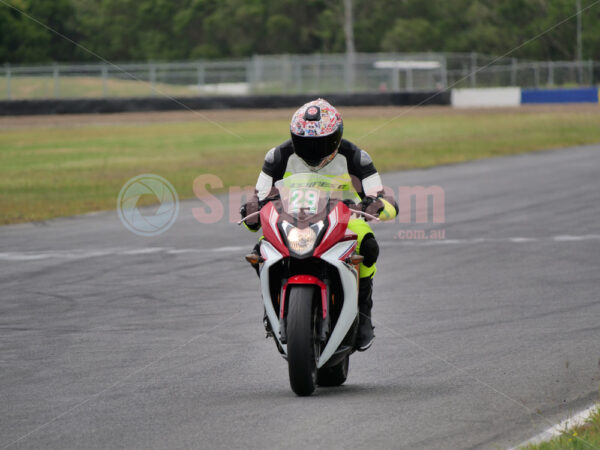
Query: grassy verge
[(82, 87), (48, 172), (586, 436)]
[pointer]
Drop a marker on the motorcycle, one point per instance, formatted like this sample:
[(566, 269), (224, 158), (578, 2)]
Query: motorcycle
[(309, 276)]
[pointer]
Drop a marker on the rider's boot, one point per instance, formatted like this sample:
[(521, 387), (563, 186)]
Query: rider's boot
[(266, 324), (365, 336)]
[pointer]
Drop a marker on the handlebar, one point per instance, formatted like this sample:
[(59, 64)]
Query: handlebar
[(364, 214), (354, 211), (248, 217)]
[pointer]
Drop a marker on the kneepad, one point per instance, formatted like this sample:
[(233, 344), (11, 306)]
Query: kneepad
[(369, 249)]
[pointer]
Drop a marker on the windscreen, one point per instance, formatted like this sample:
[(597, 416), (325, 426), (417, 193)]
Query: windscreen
[(310, 193)]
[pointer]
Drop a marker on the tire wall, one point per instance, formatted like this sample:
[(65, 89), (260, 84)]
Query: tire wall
[(115, 105)]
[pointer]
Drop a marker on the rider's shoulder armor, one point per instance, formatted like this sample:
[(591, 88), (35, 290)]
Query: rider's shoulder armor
[(276, 160), (358, 162)]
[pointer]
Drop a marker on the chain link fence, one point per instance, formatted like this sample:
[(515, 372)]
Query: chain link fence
[(290, 74)]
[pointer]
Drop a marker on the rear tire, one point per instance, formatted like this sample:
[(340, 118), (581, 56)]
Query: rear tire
[(334, 376), (302, 341)]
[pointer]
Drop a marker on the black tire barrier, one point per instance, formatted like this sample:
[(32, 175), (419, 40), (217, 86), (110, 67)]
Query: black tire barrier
[(116, 105)]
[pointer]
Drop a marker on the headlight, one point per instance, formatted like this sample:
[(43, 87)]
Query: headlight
[(301, 240)]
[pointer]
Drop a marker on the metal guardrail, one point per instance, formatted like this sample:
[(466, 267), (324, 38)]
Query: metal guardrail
[(289, 74)]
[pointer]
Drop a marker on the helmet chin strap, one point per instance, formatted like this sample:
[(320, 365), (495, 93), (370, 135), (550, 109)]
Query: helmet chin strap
[(323, 163)]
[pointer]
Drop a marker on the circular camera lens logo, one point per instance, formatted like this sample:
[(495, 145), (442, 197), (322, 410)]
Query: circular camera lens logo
[(148, 222)]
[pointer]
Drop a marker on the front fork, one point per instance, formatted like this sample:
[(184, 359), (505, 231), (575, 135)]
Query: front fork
[(324, 324)]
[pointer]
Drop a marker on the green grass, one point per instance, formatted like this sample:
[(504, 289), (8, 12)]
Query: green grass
[(584, 437), (40, 87), (84, 87), (51, 172)]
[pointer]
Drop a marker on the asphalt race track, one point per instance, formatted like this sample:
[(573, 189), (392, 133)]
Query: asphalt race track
[(110, 340)]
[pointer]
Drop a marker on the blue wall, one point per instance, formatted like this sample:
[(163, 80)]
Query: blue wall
[(579, 95)]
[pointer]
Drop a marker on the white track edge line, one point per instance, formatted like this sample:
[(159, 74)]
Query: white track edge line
[(558, 429)]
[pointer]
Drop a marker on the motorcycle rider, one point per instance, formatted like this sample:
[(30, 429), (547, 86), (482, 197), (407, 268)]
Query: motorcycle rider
[(316, 145)]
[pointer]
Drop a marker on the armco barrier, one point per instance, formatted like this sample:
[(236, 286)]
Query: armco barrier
[(486, 97), (114, 105), (578, 95)]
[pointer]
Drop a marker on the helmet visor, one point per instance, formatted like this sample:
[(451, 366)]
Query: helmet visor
[(314, 149)]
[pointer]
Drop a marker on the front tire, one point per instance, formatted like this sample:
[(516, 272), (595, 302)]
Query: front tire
[(302, 341)]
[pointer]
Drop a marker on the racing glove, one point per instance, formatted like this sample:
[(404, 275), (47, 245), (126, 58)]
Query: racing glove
[(250, 207), (372, 205), (254, 205)]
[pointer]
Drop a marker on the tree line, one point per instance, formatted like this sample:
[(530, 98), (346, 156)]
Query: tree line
[(143, 30)]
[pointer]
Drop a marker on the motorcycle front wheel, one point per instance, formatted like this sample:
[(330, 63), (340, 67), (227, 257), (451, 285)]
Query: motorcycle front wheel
[(302, 340)]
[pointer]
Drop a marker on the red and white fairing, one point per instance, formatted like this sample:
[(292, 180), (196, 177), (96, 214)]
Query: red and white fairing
[(337, 244)]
